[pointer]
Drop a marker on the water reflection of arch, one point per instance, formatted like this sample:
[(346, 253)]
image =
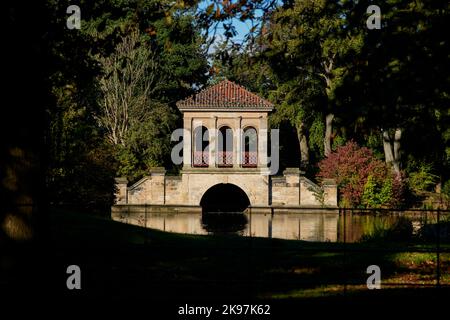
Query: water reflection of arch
[(225, 146), (250, 147), (223, 206), (201, 147)]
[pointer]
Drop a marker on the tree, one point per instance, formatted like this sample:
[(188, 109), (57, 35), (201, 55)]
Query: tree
[(78, 146), (309, 49), (127, 83), (398, 82), (244, 65)]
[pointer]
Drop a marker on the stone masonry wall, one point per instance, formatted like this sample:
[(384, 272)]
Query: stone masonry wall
[(292, 189)]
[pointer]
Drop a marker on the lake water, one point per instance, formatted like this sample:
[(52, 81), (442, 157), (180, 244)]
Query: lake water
[(311, 226)]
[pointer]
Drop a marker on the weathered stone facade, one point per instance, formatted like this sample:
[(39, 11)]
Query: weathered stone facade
[(290, 190)]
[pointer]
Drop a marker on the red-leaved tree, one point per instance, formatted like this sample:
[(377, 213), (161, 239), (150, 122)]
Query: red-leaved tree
[(350, 166)]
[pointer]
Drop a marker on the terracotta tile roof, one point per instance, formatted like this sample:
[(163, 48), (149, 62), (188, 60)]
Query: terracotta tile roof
[(225, 94)]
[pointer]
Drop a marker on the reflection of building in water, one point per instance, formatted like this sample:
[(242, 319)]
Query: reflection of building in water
[(303, 226), (181, 223), (300, 226), (294, 226)]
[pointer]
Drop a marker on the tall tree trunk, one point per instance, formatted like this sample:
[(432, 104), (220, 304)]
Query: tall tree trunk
[(328, 131), (303, 143), (387, 146), (391, 146), (397, 150)]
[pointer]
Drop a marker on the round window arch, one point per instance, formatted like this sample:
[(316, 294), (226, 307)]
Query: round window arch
[(225, 147), (201, 147)]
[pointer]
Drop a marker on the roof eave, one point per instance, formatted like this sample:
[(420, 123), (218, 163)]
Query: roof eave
[(227, 109)]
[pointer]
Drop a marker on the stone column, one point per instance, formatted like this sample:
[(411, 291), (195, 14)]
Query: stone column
[(195, 123), (237, 141), (262, 142), (212, 130), (121, 196), (292, 195), (187, 142), (330, 192), (157, 186)]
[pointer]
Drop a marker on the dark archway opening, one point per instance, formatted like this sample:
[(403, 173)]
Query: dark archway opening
[(250, 155), (201, 147), (224, 197), (225, 146), (223, 207)]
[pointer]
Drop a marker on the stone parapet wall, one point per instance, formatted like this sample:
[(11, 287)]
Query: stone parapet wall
[(291, 189)]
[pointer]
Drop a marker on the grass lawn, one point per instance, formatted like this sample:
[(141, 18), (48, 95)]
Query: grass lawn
[(122, 262)]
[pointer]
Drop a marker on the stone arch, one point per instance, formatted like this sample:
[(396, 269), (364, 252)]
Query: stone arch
[(255, 186), (225, 124), (223, 197)]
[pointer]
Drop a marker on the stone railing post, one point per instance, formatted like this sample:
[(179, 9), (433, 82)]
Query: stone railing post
[(157, 193), (121, 194), (330, 192), (292, 176)]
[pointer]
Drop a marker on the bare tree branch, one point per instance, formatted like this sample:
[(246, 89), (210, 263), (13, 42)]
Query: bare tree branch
[(129, 80)]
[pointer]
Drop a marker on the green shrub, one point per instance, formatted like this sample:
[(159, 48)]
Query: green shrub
[(377, 194), (385, 194), (338, 141), (370, 194), (446, 189), (423, 179)]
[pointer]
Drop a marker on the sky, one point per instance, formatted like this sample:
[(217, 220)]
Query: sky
[(242, 28)]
